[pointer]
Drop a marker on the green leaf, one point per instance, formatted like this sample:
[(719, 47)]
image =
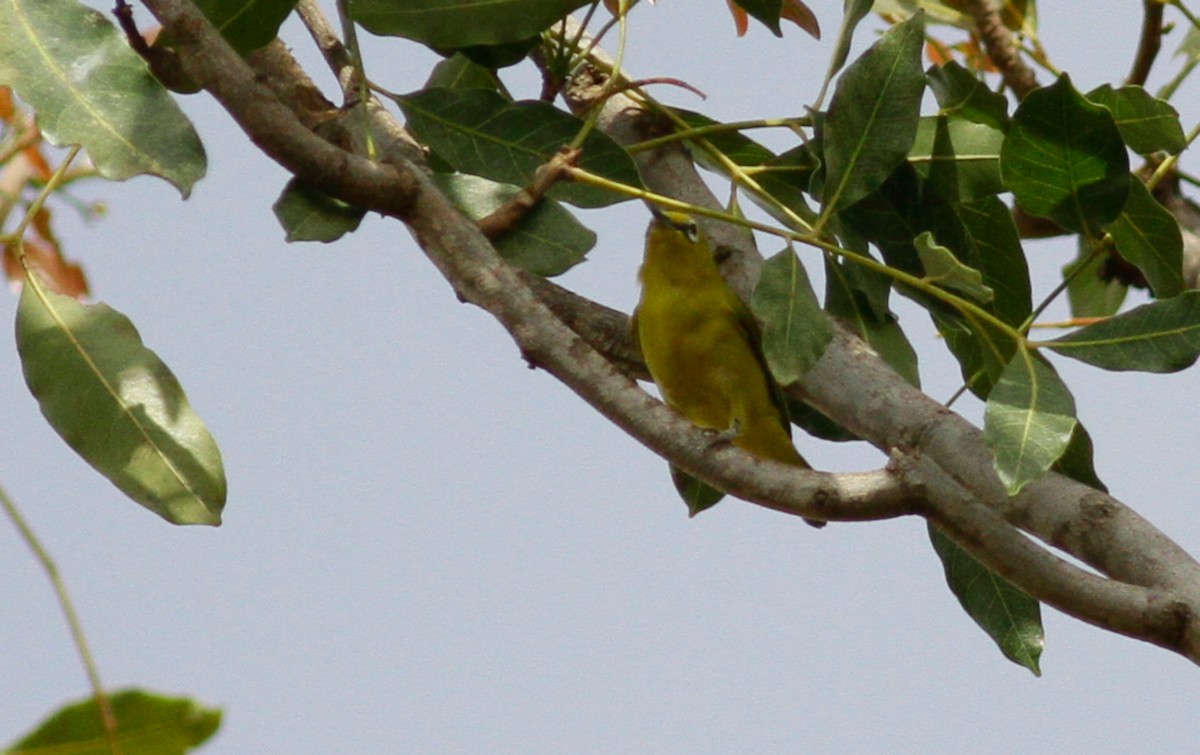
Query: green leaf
[(247, 24), (548, 241), (460, 72), (959, 158), (962, 95), (1190, 46), (121, 409), (851, 287), (786, 177), (451, 24), (1089, 291), (311, 215), (766, 11), (89, 88), (943, 269), (479, 132), (1147, 124), (698, 495), (147, 724), (1163, 336), (902, 209), (1009, 616), (501, 56), (872, 118), (1064, 159), (1029, 419), (739, 148), (939, 11), (795, 330), (999, 256), (1148, 236), (893, 215), (1015, 14), (849, 294), (815, 423), (853, 11), (1077, 463), (982, 352)]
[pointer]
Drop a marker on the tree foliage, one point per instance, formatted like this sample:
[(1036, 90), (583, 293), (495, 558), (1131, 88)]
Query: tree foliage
[(919, 168)]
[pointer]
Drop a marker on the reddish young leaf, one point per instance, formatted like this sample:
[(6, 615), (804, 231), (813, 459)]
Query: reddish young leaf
[(45, 255), (741, 22), (41, 166), (937, 52), (976, 57), (800, 15)]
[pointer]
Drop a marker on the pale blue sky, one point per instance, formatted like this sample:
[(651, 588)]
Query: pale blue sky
[(430, 548)]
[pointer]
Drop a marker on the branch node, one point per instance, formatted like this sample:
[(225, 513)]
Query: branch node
[(506, 216)]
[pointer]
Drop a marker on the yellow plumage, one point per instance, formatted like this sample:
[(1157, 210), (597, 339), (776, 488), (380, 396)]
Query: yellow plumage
[(703, 346)]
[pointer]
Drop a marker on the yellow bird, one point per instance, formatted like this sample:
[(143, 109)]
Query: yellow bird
[(702, 345)]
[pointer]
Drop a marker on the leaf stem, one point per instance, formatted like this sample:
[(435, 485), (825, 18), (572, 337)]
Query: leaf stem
[(957, 395), (967, 308), (107, 717), (611, 86), (1163, 168), (361, 86), (1191, 17), (18, 234), (736, 172), (717, 128), (1098, 246)]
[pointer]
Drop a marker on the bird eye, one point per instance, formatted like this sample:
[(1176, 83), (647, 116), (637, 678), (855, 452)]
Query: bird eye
[(691, 231)]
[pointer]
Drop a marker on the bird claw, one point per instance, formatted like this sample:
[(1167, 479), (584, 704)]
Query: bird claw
[(720, 437)]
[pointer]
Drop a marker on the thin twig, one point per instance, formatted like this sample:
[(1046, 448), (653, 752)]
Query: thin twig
[(124, 13), (503, 218), (103, 704), (337, 57), (1149, 43), (1099, 246)]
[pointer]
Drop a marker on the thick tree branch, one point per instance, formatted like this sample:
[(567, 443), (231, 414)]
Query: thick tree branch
[(271, 124), (853, 386), (1001, 47), (1154, 615), (458, 248), (940, 467)]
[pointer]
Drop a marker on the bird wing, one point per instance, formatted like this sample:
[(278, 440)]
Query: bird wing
[(749, 325)]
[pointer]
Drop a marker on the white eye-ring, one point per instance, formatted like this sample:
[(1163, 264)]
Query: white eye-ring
[(691, 231)]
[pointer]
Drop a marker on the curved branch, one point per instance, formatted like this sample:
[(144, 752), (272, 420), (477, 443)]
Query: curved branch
[(464, 256), (1154, 615), (271, 124), (942, 469), (853, 386)]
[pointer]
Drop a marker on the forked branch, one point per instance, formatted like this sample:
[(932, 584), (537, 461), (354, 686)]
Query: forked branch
[(939, 468)]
